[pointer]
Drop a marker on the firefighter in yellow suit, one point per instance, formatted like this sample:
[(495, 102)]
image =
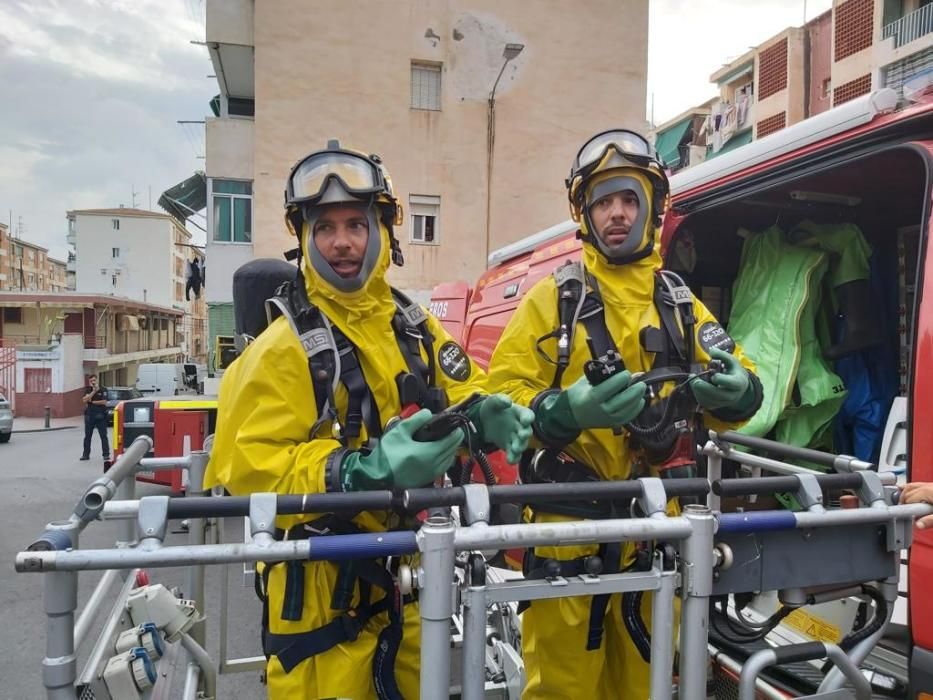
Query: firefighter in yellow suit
[(618, 193), (334, 631)]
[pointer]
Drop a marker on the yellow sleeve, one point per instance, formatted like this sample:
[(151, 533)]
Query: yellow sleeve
[(455, 371), (710, 334), (266, 409), (516, 367)]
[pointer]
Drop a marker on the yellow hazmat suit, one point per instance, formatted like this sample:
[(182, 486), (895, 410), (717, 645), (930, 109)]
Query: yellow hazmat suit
[(554, 632), (266, 409)]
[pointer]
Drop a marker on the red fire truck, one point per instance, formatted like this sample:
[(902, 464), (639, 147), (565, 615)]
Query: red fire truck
[(867, 163)]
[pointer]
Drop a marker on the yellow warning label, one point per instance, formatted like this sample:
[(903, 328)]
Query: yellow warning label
[(816, 628)]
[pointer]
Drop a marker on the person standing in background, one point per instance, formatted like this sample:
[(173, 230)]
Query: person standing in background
[(95, 416)]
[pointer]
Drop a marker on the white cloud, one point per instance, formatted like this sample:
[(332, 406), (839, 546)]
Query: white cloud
[(116, 41), (92, 92), (689, 41)]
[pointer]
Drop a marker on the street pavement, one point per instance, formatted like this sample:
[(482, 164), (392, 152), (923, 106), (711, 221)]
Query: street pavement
[(41, 480)]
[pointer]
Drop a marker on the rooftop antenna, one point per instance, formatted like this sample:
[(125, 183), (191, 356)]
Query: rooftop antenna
[(133, 193)]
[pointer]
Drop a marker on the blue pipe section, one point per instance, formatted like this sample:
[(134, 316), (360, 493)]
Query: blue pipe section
[(758, 521), (364, 546)]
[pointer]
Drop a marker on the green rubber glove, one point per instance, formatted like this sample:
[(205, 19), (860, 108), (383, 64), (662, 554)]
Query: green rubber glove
[(724, 389), (503, 423), (398, 461), (583, 406)]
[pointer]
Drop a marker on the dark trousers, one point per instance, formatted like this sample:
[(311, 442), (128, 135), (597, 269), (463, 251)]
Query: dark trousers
[(98, 421)]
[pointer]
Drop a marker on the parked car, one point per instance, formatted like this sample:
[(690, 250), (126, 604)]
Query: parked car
[(6, 419), (116, 394)]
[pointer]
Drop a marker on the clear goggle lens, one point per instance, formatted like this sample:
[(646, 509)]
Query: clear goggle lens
[(626, 143), (356, 174)]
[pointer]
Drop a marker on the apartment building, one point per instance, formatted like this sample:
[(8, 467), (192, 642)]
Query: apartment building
[(144, 256), (25, 266), (477, 108), (855, 47)]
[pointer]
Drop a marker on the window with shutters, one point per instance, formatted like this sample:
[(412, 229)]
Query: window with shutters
[(425, 86), (425, 218), (37, 379)]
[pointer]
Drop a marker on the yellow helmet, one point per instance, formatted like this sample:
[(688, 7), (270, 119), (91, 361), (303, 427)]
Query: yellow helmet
[(609, 162), (337, 175)]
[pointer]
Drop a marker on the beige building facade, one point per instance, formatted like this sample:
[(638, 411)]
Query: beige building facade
[(414, 81), (27, 267)]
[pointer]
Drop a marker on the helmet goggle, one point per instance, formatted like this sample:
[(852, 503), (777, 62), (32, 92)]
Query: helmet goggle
[(356, 174), (628, 145)]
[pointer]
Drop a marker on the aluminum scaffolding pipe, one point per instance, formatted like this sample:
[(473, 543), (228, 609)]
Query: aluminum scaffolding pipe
[(579, 532), (86, 619), (436, 604), (197, 465), (334, 548), (840, 463), (696, 553), (103, 489), (772, 520)]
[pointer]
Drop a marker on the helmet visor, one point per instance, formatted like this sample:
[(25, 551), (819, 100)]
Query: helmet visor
[(627, 143), (309, 179)]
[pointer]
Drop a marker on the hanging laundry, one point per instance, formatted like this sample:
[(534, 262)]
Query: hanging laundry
[(194, 279)]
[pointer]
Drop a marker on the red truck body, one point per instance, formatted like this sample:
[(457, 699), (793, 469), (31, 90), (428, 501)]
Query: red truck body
[(865, 163)]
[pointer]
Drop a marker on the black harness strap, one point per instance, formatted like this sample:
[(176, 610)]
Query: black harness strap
[(410, 324), (593, 318), (361, 408), (671, 300), (611, 553)]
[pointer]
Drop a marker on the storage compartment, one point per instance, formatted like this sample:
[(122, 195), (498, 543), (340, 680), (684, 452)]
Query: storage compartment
[(883, 195)]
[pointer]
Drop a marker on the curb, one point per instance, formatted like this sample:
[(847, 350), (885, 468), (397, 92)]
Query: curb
[(46, 430)]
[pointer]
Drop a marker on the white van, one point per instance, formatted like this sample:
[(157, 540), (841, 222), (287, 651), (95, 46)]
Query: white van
[(168, 379)]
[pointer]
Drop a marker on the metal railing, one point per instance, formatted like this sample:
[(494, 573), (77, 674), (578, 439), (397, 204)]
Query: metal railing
[(910, 27), (703, 567)]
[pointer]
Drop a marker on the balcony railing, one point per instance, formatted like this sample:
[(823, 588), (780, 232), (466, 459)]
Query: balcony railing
[(911, 26)]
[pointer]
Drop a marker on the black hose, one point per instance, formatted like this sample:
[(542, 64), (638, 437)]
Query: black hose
[(877, 620), (485, 467), (743, 634)]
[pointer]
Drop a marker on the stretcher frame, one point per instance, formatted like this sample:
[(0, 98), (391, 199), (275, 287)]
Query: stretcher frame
[(705, 561)]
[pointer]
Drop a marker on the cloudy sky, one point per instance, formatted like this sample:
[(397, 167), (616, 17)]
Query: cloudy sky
[(688, 41), (91, 92)]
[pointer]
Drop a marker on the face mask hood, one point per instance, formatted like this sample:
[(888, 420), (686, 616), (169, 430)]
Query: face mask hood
[(640, 234), (371, 295), (374, 247), (626, 278)]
